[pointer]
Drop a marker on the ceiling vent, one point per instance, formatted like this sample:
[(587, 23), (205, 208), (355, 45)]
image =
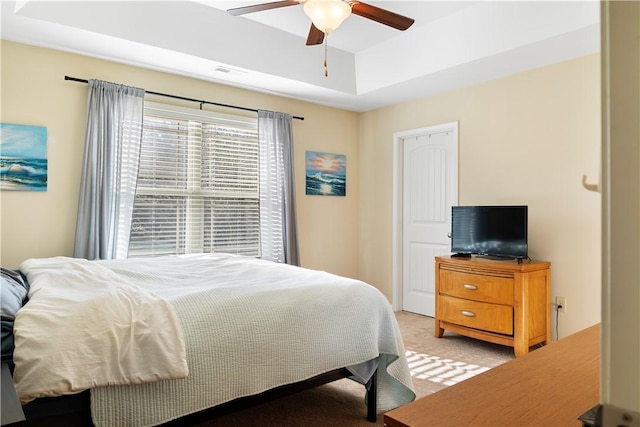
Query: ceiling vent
[(230, 71)]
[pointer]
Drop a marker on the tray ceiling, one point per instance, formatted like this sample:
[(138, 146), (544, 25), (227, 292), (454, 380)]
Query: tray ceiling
[(452, 44)]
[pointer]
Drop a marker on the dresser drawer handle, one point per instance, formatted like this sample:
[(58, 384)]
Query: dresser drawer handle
[(468, 313), (470, 287)]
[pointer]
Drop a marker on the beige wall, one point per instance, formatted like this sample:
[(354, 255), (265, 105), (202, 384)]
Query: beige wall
[(42, 224), (524, 139)]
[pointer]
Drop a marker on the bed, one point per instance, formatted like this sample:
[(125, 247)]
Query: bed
[(150, 341)]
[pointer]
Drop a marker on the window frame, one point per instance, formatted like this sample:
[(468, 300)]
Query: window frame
[(195, 220)]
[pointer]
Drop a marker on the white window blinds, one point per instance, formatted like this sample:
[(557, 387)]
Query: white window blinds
[(197, 184)]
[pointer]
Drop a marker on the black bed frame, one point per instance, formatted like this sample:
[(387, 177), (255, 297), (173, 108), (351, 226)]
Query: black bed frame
[(75, 409)]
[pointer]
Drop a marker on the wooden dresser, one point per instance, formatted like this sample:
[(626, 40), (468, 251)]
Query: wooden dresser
[(503, 302)]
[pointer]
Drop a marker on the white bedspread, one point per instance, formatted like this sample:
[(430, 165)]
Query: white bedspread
[(86, 326), (251, 325)]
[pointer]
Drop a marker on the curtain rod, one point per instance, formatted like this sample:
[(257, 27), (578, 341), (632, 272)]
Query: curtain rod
[(75, 79)]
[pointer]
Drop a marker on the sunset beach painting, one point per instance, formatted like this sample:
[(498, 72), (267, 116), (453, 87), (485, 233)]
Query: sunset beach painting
[(326, 174), (23, 157)]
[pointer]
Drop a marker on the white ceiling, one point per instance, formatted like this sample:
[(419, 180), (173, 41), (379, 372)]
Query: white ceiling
[(452, 43)]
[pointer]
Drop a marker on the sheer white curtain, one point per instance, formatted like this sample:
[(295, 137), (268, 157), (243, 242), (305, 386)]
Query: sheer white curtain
[(109, 170), (278, 233)]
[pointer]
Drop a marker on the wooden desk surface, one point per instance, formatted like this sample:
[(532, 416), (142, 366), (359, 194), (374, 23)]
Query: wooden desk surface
[(551, 386)]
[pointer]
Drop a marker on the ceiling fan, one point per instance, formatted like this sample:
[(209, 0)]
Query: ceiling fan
[(327, 15)]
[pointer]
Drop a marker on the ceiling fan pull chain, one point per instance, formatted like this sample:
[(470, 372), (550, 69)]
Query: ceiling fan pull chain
[(326, 71)]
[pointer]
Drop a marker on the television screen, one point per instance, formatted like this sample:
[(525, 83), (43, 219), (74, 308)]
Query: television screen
[(499, 231)]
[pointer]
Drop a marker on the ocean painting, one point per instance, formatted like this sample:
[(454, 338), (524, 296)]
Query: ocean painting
[(326, 174), (23, 157)]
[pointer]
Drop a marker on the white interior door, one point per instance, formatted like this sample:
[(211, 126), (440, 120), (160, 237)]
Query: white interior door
[(429, 189)]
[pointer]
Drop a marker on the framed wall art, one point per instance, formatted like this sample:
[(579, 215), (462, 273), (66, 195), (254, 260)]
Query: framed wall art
[(326, 174), (23, 157)]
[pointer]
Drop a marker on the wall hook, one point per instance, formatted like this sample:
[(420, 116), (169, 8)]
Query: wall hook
[(590, 187)]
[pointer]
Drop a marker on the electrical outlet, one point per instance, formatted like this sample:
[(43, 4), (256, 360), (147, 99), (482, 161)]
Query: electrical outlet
[(561, 304)]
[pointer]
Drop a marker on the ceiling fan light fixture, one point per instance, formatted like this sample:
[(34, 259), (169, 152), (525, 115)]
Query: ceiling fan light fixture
[(327, 15)]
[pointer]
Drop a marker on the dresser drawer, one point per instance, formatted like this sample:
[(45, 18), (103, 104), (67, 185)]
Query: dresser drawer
[(498, 290), (478, 315)]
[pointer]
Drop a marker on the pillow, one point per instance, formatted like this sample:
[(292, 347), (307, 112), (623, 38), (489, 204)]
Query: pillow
[(7, 346), (13, 293)]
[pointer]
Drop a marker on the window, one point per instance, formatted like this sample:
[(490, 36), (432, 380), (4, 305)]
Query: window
[(198, 188)]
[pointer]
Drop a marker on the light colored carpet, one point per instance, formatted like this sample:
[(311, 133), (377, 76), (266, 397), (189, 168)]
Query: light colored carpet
[(435, 364)]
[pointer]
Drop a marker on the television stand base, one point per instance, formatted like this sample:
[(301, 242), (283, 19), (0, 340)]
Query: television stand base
[(497, 257), (461, 256)]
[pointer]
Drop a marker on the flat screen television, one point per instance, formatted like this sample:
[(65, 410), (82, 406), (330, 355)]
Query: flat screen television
[(493, 231)]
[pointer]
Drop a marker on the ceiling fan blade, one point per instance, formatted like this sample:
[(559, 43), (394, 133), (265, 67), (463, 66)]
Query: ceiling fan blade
[(260, 7), (315, 36), (382, 16)]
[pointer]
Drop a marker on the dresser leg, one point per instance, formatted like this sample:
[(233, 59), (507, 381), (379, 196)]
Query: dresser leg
[(520, 348), (439, 330)]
